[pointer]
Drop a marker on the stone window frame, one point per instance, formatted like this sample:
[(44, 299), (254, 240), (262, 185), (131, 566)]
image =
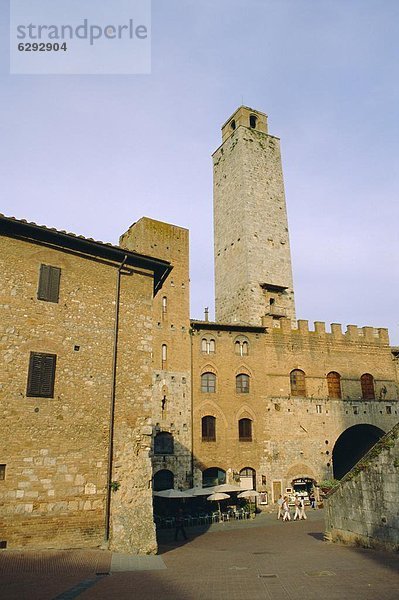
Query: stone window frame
[(208, 382), (161, 446), (245, 429), (334, 385), (208, 428), (367, 384), (242, 383), (241, 346), (208, 345), (298, 383)]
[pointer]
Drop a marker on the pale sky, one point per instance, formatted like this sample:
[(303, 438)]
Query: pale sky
[(91, 154)]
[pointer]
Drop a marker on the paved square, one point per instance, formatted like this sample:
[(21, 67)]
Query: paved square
[(260, 559)]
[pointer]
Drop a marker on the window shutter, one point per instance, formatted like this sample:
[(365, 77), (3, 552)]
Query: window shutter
[(44, 279), (41, 375), (49, 283), (54, 284)]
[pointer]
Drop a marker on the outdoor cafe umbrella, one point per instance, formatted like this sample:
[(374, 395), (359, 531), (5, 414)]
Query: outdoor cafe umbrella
[(172, 494), (248, 494), (227, 488), (200, 491), (217, 497)]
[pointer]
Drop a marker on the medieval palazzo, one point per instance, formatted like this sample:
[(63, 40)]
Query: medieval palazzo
[(108, 390)]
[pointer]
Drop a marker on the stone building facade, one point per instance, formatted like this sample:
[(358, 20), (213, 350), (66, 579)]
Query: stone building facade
[(75, 390), (108, 389)]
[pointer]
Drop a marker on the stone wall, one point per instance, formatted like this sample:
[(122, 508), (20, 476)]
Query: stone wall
[(363, 508), (293, 437), (56, 449), (171, 374)]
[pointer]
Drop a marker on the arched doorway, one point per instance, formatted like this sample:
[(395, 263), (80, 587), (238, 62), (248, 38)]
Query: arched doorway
[(351, 445), (213, 476), (163, 480)]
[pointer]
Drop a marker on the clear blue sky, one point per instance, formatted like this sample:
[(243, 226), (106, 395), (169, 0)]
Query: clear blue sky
[(92, 154)]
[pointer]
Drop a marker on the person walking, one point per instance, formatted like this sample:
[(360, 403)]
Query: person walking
[(297, 514), (302, 514), (280, 507), (179, 520), (286, 510)]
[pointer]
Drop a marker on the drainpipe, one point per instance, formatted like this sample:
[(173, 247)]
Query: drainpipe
[(112, 403), (192, 407)]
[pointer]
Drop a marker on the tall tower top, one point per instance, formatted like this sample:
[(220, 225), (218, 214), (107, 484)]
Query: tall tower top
[(244, 116), (253, 275)]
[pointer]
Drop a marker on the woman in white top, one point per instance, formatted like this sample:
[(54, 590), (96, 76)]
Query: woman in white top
[(286, 510)]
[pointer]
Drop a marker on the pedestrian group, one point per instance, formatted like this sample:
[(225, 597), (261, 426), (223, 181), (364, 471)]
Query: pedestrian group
[(284, 508)]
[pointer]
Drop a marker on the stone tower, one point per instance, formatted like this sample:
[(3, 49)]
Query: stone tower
[(253, 274)]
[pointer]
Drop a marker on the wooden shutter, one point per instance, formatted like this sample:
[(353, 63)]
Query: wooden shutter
[(41, 375), (49, 283)]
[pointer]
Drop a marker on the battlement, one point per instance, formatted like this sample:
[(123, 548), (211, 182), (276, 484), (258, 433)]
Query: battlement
[(353, 333)]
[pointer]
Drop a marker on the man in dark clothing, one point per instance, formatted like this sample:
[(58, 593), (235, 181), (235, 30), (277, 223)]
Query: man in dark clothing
[(179, 519)]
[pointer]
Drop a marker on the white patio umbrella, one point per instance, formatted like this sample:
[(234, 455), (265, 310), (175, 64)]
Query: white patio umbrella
[(172, 494), (217, 497), (200, 491), (227, 488), (249, 494)]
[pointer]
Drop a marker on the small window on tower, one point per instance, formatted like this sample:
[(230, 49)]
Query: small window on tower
[(252, 121), (233, 124)]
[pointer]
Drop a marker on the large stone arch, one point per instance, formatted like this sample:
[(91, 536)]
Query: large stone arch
[(352, 445), (300, 470)]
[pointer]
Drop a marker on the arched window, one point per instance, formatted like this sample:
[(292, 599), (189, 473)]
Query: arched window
[(208, 346), (252, 121), (367, 383), (213, 476), (242, 383), (248, 478), (164, 305), (298, 385), (245, 430), (163, 443), (208, 425), (208, 383), (241, 347), (163, 480), (334, 385), (233, 124)]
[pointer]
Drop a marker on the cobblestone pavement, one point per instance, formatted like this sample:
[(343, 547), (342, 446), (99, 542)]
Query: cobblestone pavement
[(260, 559)]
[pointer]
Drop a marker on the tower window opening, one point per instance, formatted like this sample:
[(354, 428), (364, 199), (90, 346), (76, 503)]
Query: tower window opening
[(233, 124), (164, 305), (164, 354), (252, 121)]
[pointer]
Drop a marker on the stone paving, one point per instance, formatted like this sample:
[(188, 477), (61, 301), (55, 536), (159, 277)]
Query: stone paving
[(260, 559)]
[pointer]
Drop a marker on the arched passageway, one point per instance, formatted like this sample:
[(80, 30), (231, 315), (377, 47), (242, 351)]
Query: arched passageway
[(351, 445)]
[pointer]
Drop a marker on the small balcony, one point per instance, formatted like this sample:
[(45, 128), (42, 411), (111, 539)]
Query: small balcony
[(276, 311)]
